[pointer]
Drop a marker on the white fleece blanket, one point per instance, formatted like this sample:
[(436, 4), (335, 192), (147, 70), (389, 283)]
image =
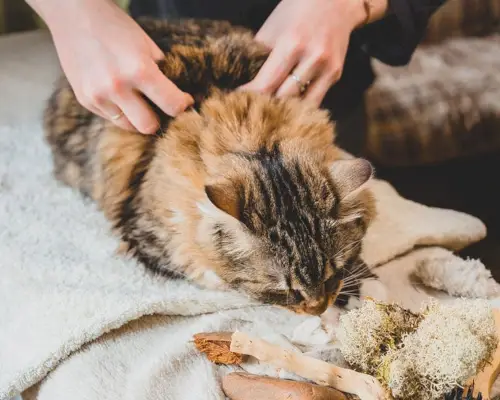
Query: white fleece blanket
[(80, 322)]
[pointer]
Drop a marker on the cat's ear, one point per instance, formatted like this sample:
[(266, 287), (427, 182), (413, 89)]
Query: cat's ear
[(350, 175), (226, 197)]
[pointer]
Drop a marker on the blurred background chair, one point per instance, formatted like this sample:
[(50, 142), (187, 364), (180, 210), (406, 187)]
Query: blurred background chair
[(433, 127), (445, 104)]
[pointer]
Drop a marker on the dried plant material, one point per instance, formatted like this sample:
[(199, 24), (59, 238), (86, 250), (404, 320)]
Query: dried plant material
[(346, 380), (484, 380), (242, 386), (429, 354), (451, 344), (378, 328), (215, 345)]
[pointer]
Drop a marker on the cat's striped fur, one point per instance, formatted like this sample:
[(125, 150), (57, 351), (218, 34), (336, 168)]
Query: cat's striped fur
[(243, 191)]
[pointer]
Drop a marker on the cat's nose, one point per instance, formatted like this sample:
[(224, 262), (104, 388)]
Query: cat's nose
[(317, 306)]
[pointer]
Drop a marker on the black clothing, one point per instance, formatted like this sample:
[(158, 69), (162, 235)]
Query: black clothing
[(392, 40)]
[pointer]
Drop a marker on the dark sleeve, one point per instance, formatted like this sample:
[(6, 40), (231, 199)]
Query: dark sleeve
[(394, 38)]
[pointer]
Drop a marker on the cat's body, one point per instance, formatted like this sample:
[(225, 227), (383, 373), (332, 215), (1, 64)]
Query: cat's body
[(244, 193)]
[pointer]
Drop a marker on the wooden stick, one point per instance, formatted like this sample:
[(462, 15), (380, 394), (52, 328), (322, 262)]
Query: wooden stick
[(485, 379), (366, 387)]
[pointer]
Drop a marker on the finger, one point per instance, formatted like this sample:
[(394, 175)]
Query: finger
[(281, 61), (95, 110), (106, 111), (112, 113), (318, 89), (140, 115), (118, 118), (305, 72), (156, 52), (161, 91), (123, 123)]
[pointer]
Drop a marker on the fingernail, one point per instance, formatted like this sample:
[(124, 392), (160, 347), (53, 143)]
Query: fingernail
[(152, 130), (190, 100)]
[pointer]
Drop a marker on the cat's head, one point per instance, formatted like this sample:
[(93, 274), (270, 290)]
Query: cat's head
[(285, 227)]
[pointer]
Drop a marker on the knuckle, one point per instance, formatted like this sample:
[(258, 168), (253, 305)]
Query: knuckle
[(335, 72), (139, 71), (338, 74), (295, 44), (115, 84), (321, 56), (91, 97)]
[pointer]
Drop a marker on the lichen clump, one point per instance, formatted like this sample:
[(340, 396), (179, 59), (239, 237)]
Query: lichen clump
[(419, 356)]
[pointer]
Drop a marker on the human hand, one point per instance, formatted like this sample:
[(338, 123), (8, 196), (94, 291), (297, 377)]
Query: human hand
[(309, 41), (110, 61)]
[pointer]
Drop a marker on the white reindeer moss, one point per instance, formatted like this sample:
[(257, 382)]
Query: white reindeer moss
[(419, 356)]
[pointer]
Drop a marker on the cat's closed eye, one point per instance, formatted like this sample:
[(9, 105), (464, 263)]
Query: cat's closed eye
[(297, 296)]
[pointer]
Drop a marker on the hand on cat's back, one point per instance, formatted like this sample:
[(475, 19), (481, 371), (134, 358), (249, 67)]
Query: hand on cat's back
[(308, 39), (110, 62)]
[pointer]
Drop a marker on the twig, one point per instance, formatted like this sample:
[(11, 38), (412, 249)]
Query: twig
[(364, 386)]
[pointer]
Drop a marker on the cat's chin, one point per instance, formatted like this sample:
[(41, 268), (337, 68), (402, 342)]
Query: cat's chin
[(303, 311)]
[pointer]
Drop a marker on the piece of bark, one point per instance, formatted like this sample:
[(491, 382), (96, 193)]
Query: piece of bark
[(216, 346), (243, 386)]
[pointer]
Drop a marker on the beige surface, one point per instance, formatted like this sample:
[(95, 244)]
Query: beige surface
[(28, 65)]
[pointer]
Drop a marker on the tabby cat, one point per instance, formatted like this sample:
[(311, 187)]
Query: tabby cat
[(244, 191)]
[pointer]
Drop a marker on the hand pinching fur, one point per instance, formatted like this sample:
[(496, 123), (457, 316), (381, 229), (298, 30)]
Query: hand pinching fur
[(244, 191)]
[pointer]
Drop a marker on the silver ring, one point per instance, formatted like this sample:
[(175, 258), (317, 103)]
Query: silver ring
[(302, 86), (117, 116)]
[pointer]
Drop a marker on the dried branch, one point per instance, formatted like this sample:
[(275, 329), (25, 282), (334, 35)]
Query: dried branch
[(366, 387)]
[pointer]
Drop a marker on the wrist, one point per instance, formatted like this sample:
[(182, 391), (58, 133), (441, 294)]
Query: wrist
[(356, 12), (362, 12)]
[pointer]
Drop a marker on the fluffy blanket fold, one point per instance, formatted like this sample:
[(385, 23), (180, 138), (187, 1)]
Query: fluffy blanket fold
[(80, 322)]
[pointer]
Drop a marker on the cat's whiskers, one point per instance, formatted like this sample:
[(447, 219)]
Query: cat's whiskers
[(342, 251), (351, 284), (353, 274), (355, 279), (349, 292), (358, 267)]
